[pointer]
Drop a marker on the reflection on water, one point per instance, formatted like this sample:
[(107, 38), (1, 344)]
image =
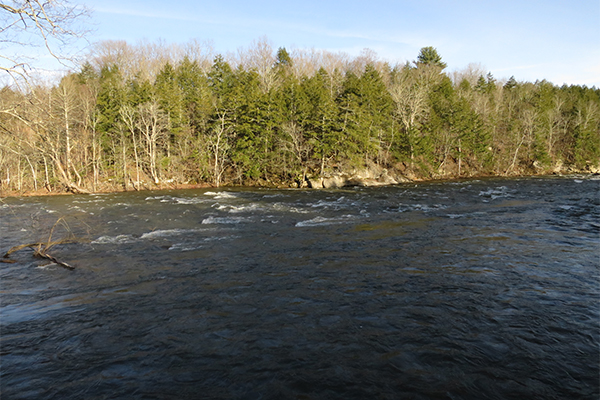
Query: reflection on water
[(474, 289)]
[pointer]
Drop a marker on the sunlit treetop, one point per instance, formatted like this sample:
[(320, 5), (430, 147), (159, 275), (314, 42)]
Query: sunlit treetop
[(429, 56)]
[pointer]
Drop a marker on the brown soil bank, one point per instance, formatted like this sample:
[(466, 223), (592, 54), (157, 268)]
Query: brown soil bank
[(366, 177)]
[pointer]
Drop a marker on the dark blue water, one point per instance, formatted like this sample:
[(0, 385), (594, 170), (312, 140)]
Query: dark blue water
[(454, 290)]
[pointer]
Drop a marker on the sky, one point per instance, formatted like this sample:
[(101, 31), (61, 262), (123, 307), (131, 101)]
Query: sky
[(556, 40)]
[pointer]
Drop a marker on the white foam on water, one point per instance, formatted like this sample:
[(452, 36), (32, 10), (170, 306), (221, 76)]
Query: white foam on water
[(415, 207), (196, 245), (35, 205), (463, 183), (320, 221), (221, 195), (288, 208), (223, 220), (119, 239), (156, 197), (218, 238), (45, 266), (161, 233), (495, 193), (239, 209), (425, 207), (454, 216), (330, 204), (189, 200), (185, 247), (177, 200), (89, 201)]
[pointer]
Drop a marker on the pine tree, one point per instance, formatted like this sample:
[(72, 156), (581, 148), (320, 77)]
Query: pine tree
[(366, 111), (169, 96), (111, 97), (430, 57), (511, 83), (196, 95), (320, 119)]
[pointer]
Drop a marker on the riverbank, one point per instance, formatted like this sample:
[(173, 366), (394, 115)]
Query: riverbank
[(329, 181), (106, 188)]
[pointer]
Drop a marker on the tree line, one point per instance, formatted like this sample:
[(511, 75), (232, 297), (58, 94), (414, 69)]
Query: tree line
[(151, 115)]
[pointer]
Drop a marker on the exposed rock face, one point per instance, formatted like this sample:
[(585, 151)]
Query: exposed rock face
[(335, 181), (315, 183), (366, 177)]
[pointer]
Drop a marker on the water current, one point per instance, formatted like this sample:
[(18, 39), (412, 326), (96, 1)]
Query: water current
[(446, 290)]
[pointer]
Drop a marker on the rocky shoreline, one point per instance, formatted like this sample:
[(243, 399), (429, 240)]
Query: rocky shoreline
[(368, 177)]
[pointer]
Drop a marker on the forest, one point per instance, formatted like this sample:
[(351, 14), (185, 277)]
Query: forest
[(153, 115)]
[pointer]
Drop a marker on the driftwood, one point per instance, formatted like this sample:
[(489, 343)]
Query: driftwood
[(39, 250)]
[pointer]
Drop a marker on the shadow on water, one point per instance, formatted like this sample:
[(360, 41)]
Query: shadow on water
[(458, 290)]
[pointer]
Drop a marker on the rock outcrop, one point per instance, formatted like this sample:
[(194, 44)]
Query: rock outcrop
[(373, 176)]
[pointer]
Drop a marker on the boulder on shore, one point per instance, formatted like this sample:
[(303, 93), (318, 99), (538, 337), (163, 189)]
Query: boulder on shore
[(364, 178), (336, 181), (315, 183)]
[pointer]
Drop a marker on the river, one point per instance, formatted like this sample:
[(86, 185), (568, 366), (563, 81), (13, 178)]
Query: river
[(448, 290)]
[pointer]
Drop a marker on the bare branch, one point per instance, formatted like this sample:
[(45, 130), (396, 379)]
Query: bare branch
[(27, 24)]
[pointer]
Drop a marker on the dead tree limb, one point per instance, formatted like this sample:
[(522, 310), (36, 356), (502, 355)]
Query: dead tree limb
[(42, 254), (39, 250)]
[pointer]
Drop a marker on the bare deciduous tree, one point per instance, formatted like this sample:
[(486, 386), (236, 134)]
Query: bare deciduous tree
[(152, 124), (410, 98), (52, 24), (219, 145), (260, 57), (129, 116)]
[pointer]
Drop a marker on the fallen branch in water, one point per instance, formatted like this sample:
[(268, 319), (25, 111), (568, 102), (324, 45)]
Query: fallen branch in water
[(40, 249), (53, 259)]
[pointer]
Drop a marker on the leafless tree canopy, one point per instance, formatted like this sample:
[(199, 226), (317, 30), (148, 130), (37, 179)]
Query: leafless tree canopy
[(51, 24)]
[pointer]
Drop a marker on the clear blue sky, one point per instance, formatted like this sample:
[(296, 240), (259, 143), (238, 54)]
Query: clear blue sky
[(557, 40)]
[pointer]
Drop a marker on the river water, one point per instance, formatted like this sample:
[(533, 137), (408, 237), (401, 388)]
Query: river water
[(454, 290)]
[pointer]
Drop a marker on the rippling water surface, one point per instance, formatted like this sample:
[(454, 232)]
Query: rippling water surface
[(457, 290)]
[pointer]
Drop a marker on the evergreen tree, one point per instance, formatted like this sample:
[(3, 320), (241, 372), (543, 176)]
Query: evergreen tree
[(222, 122), (87, 73), (366, 111), (221, 78), (511, 83), (196, 95), (291, 146), (111, 97), (253, 126), (319, 116), (283, 59), (429, 56), (169, 96), (140, 91)]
